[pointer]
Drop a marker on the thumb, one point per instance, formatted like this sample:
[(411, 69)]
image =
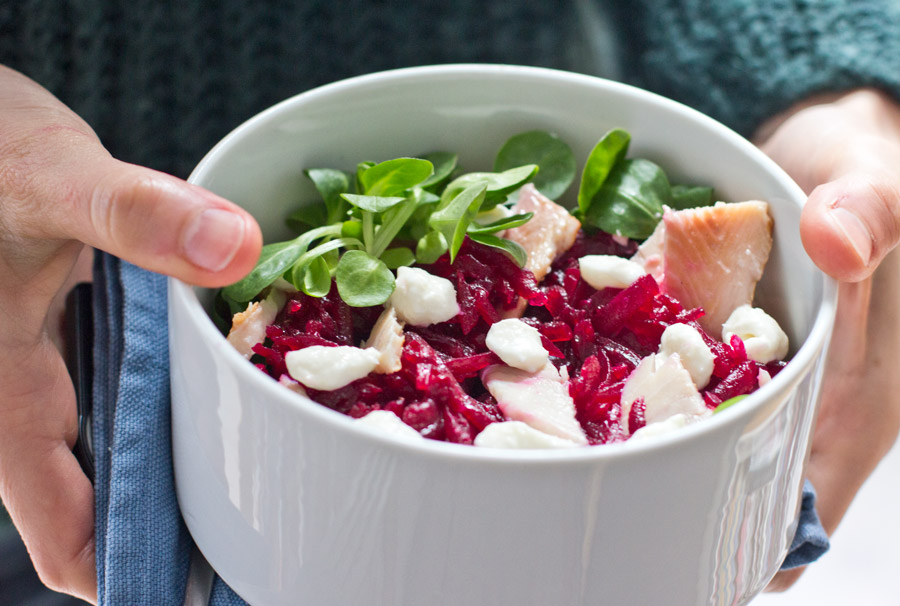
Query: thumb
[(153, 220), (844, 152), (58, 182), (849, 224)]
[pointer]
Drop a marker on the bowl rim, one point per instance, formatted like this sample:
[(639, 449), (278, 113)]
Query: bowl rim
[(183, 295)]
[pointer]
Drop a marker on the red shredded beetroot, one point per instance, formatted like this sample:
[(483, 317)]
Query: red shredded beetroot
[(423, 393), (637, 415), (598, 336)]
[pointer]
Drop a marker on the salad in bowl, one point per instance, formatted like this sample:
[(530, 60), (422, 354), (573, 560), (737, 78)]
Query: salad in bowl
[(469, 307)]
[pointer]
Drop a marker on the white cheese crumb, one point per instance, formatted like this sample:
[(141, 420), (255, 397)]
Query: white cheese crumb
[(389, 423), (666, 388), (329, 368), (695, 356), (517, 344), (762, 336), (516, 434), (604, 271), (421, 298), (763, 377)]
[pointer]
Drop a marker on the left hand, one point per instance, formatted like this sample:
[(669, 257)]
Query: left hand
[(844, 152)]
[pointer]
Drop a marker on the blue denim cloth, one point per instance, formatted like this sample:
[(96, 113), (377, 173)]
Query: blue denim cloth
[(810, 540), (143, 547)]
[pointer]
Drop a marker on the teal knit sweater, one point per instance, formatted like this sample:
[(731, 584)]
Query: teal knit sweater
[(160, 82)]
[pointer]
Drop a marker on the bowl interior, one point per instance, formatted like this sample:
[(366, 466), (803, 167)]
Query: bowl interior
[(472, 110)]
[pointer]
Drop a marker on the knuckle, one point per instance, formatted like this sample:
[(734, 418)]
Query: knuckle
[(19, 162), (34, 155)]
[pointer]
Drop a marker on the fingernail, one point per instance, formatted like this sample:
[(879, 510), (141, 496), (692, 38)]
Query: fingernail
[(212, 238), (854, 230)]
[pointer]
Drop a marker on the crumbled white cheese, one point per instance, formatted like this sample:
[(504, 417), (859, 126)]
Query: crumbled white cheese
[(389, 423), (762, 336), (604, 271), (421, 298), (387, 338), (539, 399), (666, 388), (516, 434), (695, 356), (518, 344), (763, 377), (329, 368)]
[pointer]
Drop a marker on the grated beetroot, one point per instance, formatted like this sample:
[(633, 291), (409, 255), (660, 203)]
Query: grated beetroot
[(598, 337), (637, 415)]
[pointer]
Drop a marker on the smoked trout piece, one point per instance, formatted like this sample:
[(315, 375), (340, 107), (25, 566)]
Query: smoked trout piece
[(550, 232), (711, 257)]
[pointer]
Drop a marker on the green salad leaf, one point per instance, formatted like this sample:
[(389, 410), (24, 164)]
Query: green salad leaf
[(373, 204), (274, 261), (313, 278), (398, 257), (500, 224), (513, 249), (608, 151), (496, 185), (362, 280), (453, 216), (630, 200), (394, 177), (551, 154), (690, 196), (430, 247), (330, 184), (444, 164), (307, 217)]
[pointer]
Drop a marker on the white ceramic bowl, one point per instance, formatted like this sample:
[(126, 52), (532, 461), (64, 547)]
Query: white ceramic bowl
[(292, 503)]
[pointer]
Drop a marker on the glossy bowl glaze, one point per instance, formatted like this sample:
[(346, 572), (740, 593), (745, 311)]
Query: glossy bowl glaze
[(292, 503)]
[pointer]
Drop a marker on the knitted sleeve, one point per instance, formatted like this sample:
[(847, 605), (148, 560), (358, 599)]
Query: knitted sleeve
[(742, 61)]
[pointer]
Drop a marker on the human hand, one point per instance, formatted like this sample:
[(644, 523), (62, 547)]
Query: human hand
[(59, 191), (845, 153)]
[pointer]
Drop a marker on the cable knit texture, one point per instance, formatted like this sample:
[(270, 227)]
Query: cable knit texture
[(161, 82), (742, 61)]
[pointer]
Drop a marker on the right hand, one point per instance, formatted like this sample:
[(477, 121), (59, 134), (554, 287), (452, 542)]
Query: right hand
[(844, 150), (59, 191)]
